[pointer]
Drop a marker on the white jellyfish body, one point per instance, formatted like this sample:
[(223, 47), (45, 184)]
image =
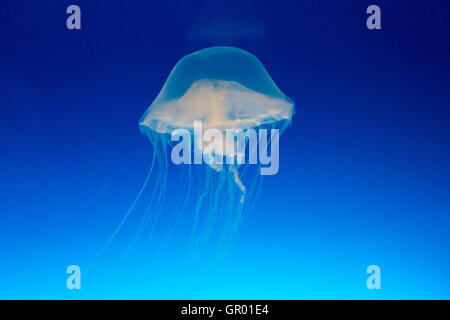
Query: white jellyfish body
[(218, 104), (225, 88)]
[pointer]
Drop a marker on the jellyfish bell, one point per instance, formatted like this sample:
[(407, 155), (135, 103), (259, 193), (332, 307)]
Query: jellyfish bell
[(223, 88), (217, 104)]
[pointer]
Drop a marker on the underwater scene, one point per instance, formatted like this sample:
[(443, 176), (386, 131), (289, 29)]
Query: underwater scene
[(224, 149)]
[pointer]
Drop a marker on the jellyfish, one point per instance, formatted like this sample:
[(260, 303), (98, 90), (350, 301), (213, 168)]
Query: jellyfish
[(226, 89)]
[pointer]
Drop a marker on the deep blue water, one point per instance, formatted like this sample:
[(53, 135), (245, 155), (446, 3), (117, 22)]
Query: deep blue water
[(364, 169)]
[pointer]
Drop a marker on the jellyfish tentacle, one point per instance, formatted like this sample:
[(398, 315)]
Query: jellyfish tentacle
[(157, 190), (213, 219), (162, 193), (198, 207), (156, 187), (179, 210), (130, 209)]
